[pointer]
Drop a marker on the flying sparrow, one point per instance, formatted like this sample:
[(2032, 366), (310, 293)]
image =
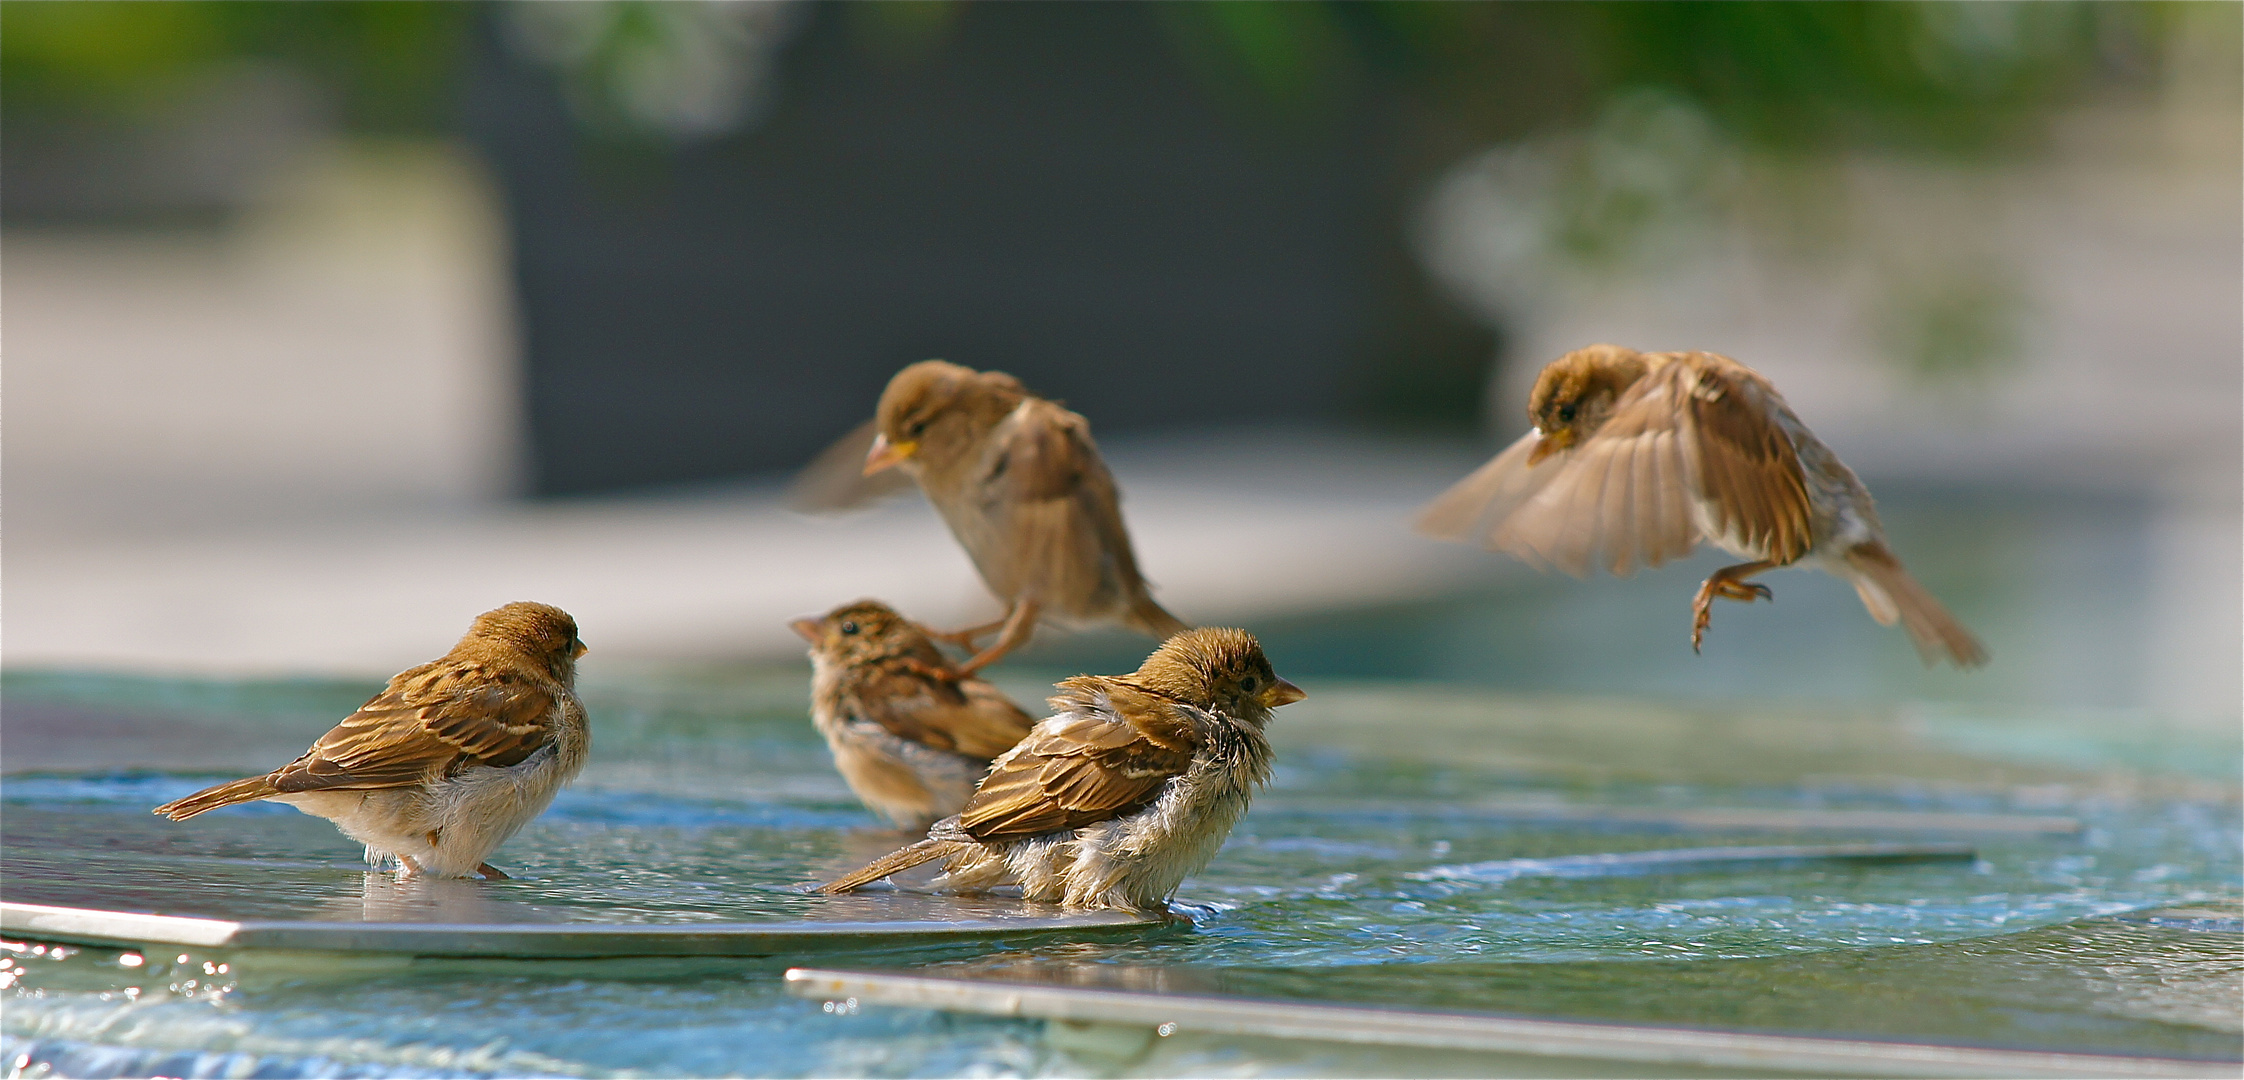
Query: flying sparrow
[(1020, 484), (1131, 784), (449, 760), (1636, 457), (910, 734)]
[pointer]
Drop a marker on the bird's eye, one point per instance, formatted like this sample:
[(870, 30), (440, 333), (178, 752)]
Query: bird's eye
[(1566, 413), (1249, 684), (919, 428), (848, 627)]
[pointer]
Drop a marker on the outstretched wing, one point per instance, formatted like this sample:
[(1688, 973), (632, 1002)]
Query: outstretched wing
[(1082, 767), (1697, 433), (835, 480), (1617, 499), (436, 717)]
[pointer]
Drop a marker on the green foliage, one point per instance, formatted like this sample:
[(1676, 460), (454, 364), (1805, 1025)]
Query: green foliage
[(388, 64)]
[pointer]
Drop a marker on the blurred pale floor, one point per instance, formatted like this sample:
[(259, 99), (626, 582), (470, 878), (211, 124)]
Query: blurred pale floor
[(274, 449)]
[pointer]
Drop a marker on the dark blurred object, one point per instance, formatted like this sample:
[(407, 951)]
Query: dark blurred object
[(1047, 192)]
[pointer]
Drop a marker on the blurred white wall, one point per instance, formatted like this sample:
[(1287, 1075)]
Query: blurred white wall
[(347, 340)]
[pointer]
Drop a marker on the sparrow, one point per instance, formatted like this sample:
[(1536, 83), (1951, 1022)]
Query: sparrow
[(909, 733), (451, 758), (1022, 487), (1129, 786), (1636, 457)]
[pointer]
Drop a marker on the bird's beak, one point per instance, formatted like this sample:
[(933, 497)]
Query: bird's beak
[(577, 648), (1548, 443), (1281, 693), (808, 627), (885, 454)]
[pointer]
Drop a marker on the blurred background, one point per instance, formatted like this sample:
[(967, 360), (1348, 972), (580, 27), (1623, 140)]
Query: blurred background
[(330, 325)]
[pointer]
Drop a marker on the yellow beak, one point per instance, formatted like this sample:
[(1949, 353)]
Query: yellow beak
[(1547, 444), (1281, 693), (808, 627), (885, 454), (577, 648)]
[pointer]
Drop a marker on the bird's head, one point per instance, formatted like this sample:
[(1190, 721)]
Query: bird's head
[(935, 411), (1575, 395), (541, 632), (1218, 669), (866, 630)]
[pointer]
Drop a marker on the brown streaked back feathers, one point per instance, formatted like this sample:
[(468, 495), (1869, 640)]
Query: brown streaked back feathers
[(492, 701), (894, 676), (1117, 739)]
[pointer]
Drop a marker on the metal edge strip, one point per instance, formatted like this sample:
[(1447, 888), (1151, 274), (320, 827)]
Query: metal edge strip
[(83, 925), (555, 940), (1797, 1054)]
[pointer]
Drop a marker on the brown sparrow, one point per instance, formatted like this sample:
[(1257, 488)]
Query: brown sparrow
[(1131, 784), (910, 734), (1636, 457), (451, 758), (1021, 485)]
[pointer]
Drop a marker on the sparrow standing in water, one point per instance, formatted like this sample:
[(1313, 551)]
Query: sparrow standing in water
[(452, 758), (1638, 456), (1020, 484), (909, 733), (1131, 784)]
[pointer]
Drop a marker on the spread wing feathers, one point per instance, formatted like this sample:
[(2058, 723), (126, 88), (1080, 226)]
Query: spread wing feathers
[(1617, 500), (1054, 501), (1623, 497), (1472, 508), (1083, 767), (1745, 467), (969, 717), (431, 718), (835, 480)]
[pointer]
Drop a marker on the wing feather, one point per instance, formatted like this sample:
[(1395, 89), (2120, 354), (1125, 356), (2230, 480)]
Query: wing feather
[(835, 479), (1616, 499), (434, 718), (1618, 519), (1055, 507), (1748, 471), (1090, 766)]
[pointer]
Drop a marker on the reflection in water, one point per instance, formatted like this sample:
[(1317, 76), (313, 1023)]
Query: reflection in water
[(386, 897)]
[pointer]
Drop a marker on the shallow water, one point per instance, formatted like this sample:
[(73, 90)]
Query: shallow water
[(710, 799)]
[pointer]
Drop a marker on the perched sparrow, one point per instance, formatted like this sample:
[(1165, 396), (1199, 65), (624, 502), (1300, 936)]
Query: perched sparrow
[(1131, 784), (451, 758), (910, 735), (1638, 456), (1020, 484)]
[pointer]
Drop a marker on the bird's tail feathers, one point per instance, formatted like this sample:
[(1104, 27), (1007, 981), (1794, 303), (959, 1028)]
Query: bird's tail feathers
[(1153, 620), (1890, 594), (211, 798), (927, 850)]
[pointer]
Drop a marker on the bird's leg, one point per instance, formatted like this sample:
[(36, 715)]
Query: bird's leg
[(412, 869), (490, 872), (1729, 584), (1020, 625), (964, 638)]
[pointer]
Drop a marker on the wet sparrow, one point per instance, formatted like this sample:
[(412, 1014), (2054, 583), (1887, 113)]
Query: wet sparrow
[(1020, 484), (910, 734), (450, 759), (1636, 457), (1131, 784)]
